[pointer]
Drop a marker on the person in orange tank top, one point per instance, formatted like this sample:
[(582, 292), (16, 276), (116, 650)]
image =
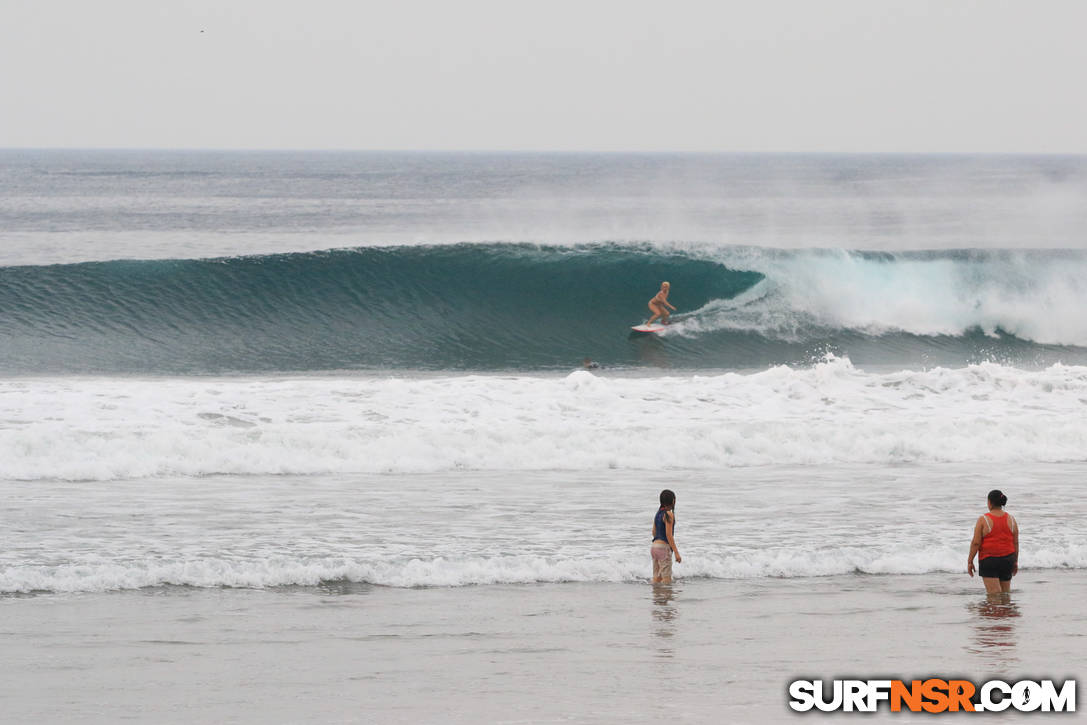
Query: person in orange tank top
[(996, 544)]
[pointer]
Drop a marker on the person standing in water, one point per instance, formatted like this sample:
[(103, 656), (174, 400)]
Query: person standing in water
[(664, 539), (996, 543), (659, 305)]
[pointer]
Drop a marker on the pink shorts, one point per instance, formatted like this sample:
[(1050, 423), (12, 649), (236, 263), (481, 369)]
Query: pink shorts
[(662, 560)]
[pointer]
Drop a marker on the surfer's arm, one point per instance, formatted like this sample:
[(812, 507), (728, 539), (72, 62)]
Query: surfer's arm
[(668, 305), (975, 545), (670, 523)]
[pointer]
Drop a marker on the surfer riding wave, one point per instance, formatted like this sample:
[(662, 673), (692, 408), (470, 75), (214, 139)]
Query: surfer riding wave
[(659, 305)]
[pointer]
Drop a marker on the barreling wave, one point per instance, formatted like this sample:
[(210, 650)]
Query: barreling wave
[(519, 306)]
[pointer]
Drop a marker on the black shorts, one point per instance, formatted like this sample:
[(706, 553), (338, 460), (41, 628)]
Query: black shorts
[(997, 566)]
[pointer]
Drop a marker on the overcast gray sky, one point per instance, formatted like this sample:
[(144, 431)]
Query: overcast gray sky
[(821, 75)]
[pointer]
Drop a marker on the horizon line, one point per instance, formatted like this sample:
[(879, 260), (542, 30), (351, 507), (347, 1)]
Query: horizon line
[(528, 151)]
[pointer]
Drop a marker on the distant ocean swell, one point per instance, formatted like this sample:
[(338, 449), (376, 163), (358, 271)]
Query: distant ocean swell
[(527, 307)]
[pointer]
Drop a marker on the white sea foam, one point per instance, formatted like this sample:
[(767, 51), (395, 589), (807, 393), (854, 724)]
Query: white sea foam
[(109, 428), (511, 569), (808, 294), (458, 528)]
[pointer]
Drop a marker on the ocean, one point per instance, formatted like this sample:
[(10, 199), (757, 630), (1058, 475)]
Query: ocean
[(291, 436)]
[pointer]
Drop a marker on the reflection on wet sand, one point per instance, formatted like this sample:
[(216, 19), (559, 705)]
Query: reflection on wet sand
[(994, 637), (664, 618)]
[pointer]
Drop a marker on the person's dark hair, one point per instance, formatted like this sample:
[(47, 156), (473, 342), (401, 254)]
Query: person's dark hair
[(668, 498), (996, 498)]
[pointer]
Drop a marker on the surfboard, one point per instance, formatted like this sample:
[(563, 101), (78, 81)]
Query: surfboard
[(648, 328)]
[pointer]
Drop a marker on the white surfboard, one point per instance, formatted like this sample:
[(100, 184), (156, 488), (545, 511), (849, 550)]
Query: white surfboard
[(648, 328)]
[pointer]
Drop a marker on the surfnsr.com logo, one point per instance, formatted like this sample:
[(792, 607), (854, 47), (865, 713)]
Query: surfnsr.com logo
[(932, 695)]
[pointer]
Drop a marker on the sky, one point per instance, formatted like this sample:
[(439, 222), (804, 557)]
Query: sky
[(767, 75)]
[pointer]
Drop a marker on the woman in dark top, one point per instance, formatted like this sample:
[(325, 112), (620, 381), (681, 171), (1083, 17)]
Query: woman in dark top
[(664, 539)]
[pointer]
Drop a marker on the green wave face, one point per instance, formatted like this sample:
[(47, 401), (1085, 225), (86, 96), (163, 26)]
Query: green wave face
[(448, 307)]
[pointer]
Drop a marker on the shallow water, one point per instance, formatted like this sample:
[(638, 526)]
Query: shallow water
[(574, 652), (470, 527)]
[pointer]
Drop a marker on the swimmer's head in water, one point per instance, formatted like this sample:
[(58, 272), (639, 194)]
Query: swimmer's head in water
[(668, 499), (996, 498), (666, 285)]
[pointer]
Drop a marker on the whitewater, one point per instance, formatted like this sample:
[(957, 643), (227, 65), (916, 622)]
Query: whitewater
[(404, 531), (102, 429)]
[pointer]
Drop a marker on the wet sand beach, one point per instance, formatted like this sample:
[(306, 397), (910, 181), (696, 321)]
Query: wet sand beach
[(705, 649)]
